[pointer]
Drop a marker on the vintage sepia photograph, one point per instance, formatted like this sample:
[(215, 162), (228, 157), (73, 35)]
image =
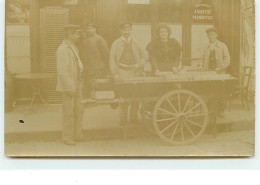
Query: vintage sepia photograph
[(129, 78)]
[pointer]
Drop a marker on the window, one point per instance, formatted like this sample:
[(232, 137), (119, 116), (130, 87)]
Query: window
[(138, 11), (17, 12)]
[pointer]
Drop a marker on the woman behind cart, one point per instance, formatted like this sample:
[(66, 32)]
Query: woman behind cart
[(164, 52), (164, 56)]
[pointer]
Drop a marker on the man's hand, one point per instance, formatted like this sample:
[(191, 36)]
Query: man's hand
[(218, 69), (136, 66), (116, 77), (81, 70), (81, 67), (200, 67)]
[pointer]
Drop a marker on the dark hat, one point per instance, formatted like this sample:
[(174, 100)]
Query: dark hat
[(212, 29), (90, 25), (125, 25), (72, 27)]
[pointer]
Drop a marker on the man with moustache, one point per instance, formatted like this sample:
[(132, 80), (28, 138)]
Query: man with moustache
[(126, 61)]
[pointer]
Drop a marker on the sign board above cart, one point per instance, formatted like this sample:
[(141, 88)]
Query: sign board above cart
[(70, 2), (202, 11), (138, 1)]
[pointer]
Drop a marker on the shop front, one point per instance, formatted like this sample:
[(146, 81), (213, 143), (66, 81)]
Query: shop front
[(188, 20)]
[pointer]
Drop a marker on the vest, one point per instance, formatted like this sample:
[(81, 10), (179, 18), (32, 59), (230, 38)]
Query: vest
[(127, 56), (212, 60)]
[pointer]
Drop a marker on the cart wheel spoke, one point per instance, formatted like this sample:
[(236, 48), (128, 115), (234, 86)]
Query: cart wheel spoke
[(170, 125), (179, 102), (172, 106), (189, 111), (194, 123), (168, 112), (187, 103), (174, 132), (182, 134), (167, 119), (195, 115), (189, 129)]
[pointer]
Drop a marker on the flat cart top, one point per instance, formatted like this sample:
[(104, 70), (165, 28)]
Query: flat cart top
[(208, 84)]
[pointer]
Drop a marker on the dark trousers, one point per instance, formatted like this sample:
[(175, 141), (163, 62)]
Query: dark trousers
[(89, 80), (72, 114), (124, 107)]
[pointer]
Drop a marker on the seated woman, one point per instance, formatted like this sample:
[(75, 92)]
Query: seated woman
[(164, 52)]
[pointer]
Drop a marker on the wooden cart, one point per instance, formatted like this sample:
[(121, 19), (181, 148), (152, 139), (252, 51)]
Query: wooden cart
[(180, 106)]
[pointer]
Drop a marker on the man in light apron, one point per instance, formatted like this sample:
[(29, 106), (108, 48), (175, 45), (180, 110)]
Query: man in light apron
[(126, 61)]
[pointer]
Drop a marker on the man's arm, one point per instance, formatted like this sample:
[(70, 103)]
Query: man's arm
[(102, 45), (63, 71), (226, 59), (81, 51), (142, 55), (178, 55), (201, 60), (152, 58), (153, 62), (112, 59)]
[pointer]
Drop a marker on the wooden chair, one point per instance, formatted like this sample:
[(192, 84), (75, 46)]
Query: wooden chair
[(242, 91)]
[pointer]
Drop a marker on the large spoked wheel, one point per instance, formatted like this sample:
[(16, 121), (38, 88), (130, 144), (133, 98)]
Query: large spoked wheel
[(180, 117)]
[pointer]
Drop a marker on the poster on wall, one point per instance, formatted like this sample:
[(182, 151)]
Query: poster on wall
[(202, 11), (138, 1), (70, 2), (17, 11)]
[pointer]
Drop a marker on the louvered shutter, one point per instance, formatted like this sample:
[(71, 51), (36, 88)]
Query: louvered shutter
[(52, 21)]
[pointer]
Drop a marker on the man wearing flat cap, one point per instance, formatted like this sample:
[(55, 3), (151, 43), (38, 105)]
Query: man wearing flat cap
[(94, 53), (69, 69), (126, 61), (215, 56)]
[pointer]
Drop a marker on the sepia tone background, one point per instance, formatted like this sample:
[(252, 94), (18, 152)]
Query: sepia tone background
[(35, 30)]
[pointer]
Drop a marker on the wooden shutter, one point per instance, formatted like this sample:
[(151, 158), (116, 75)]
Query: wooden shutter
[(52, 21)]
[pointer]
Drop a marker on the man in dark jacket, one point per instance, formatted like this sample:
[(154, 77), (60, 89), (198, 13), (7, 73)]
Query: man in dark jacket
[(94, 53)]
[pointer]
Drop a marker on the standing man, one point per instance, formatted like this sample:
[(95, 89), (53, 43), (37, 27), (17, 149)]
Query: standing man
[(69, 69), (215, 56), (94, 53), (126, 61)]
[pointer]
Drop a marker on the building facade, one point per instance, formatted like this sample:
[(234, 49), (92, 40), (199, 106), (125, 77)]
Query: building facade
[(188, 20)]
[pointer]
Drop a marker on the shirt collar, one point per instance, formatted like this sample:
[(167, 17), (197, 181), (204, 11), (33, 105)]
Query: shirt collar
[(128, 40), (214, 44)]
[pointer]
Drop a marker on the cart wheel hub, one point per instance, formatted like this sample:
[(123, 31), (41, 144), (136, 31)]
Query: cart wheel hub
[(181, 117)]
